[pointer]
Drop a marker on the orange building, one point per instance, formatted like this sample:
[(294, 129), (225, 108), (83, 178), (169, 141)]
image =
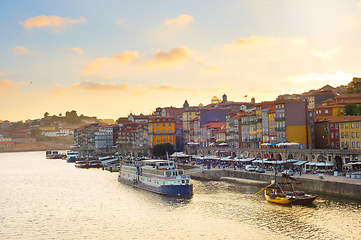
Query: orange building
[(162, 130)]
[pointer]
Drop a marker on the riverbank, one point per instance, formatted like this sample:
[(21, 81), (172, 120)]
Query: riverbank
[(338, 186)]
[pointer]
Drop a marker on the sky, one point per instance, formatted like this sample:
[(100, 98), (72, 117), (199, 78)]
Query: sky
[(110, 58)]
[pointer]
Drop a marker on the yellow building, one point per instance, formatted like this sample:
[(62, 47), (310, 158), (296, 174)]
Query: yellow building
[(349, 127), (259, 124), (188, 116), (220, 134), (161, 130)]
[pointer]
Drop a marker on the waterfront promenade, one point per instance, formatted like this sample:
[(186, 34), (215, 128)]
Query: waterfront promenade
[(339, 186)]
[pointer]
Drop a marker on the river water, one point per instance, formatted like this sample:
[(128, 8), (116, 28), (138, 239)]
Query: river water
[(51, 199)]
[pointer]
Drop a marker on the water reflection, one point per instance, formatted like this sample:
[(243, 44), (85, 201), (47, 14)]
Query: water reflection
[(42, 199), (324, 219)]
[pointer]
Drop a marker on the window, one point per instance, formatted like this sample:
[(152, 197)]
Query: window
[(346, 125), (337, 145), (157, 124), (163, 130), (331, 125), (169, 130), (352, 125), (158, 131), (353, 134), (357, 125), (336, 135), (341, 124), (357, 134), (336, 126), (332, 135), (163, 124), (346, 134), (342, 135), (326, 111), (358, 144), (169, 124), (353, 144)]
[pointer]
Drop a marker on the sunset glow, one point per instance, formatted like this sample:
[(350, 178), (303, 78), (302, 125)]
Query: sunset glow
[(110, 58)]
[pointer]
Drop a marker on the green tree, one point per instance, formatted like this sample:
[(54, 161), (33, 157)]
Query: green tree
[(355, 87), (161, 150), (358, 110), (350, 109)]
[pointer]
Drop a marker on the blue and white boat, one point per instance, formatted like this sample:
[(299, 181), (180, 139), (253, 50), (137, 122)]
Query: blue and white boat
[(159, 176), (71, 156)]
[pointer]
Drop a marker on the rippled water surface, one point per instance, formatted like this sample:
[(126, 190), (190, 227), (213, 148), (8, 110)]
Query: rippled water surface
[(51, 199)]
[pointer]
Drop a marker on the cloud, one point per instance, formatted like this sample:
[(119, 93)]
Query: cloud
[(324, 54), (339, 78), (252, 42), (7, 73), (96, 66), (6, 86), (20, 50), (180, 20), (124, 58), (136, 90), (92, 87), (119, 22), (55, 23), (175, 56), (79, 50)]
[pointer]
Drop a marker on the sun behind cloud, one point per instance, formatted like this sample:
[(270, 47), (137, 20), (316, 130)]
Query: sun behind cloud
[(55, 23)]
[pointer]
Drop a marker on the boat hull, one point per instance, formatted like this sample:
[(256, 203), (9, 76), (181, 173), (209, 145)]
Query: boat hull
[(303, 200), (170, 190), (279, 200)]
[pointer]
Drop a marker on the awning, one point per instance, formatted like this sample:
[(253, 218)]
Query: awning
[(110, 160), (319, 164), (299, 163), (179, 154)]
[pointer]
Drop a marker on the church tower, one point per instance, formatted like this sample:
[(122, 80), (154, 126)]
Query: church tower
[(185, 104), (224, 98)]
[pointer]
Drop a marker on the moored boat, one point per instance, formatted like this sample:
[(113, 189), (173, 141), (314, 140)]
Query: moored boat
[(71, 156), (159, 176), (274, 194), (301, 198)]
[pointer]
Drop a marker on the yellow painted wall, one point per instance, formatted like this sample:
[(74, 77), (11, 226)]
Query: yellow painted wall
[(297, 134)]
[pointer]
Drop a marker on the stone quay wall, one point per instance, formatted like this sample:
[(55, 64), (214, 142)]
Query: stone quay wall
[(338, 189)]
